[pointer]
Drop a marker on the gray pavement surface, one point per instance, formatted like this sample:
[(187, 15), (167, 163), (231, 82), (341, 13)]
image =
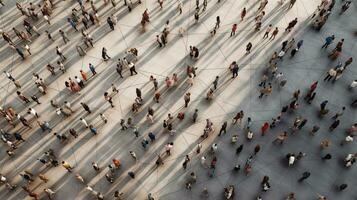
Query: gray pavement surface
[(167, 182)]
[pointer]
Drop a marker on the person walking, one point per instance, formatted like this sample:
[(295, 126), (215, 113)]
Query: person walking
[(108, 98), (84, 122), (248, 48), (334, 125), (328, 40), (291, 4), (64, 36), (234, 30), (291, 25), (274, 33), (187, 98), (95, 166), (132, 69), (194, 116), (256, 149), (105, 55), (330, 74), (59, 53), (86, 107), (348, 62), (234, 68), (218, 22), (339, 114), (103, 118), (281, 138), (264, 128), (327, 157), (187, 160), (267, 31), (110, 23), (33, 112), (22, 97), (305, 175), (67, 166), (92, 69)]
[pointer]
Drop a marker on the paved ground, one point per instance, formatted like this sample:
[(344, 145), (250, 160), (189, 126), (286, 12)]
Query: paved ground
[(167, 182)]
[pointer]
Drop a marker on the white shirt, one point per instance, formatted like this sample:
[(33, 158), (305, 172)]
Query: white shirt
[(84, 122), (349, 157), (291, 160), (353, 84), (68, 105), (203, 160), (250, 135), (32, 111), (78, 80), (349, 139)]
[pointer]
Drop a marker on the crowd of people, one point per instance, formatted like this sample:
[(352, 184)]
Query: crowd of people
[(85, 16)]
